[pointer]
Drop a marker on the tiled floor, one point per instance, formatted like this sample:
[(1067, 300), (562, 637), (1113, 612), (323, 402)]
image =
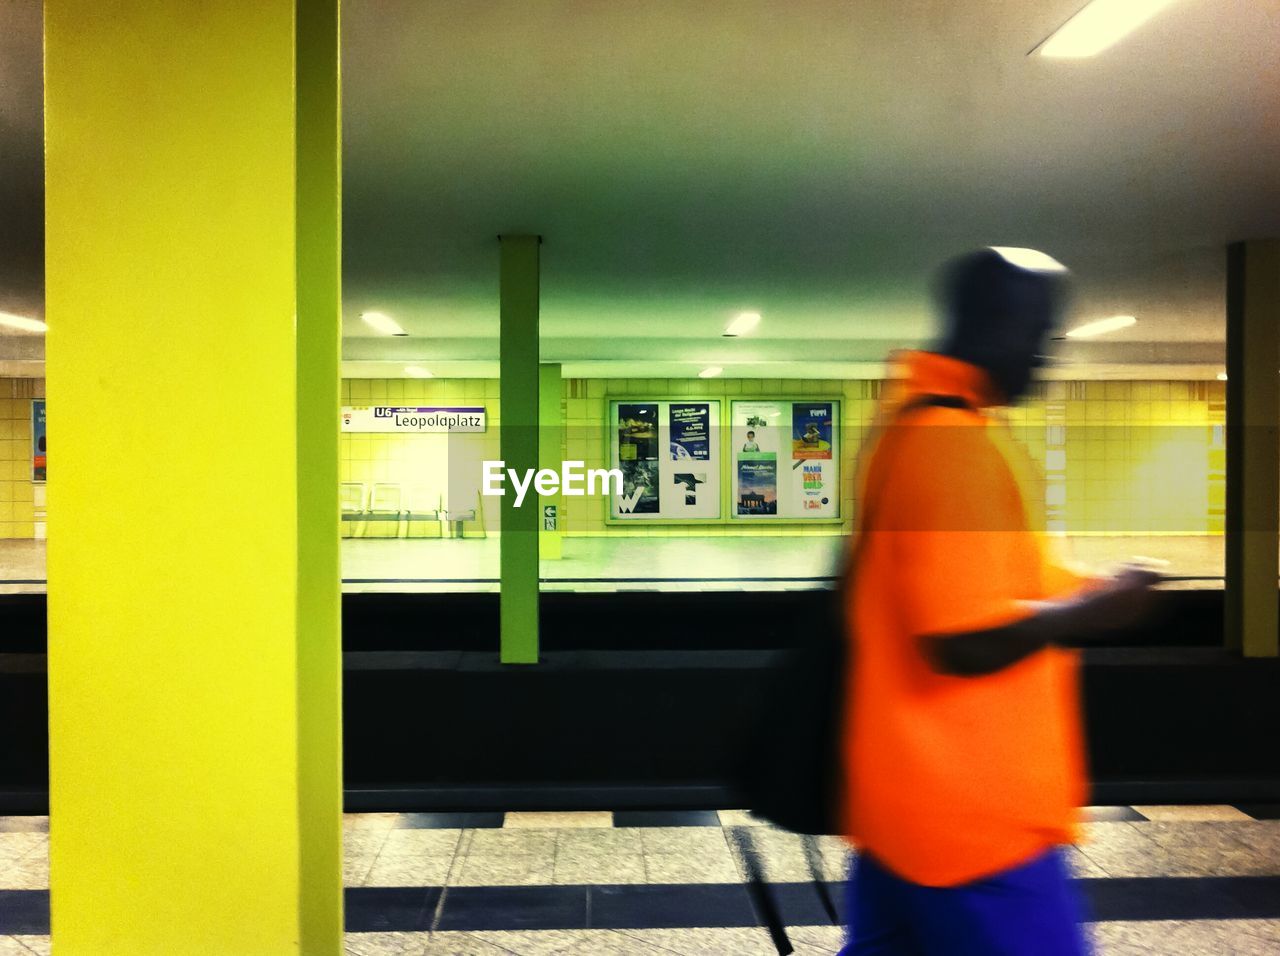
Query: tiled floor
[(1159, 880), (678, 563)]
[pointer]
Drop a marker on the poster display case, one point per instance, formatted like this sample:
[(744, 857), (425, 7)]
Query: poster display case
[(784, 463), (668, 451), (779, 460)]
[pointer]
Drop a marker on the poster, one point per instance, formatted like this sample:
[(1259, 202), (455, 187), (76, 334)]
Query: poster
[(816, 487), (757, 483), (39, 454), (669, 454), (755, 427), (786, 459), (690, 431), (811, 427), (639, 488), (638, 432), (685, 490)]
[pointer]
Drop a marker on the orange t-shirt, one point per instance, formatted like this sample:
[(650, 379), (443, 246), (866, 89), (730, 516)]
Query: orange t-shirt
[(950, 779)]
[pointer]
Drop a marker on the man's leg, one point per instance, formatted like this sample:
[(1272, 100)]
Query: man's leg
[(1029, 910), (875, 909)]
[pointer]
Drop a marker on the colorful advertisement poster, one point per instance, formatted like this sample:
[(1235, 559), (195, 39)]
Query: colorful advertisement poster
[(811, 424), (685, 492), (757, 483), (639, 488), (39, 454), (815, 490), (755, 427), (638, 432), (690, 431)]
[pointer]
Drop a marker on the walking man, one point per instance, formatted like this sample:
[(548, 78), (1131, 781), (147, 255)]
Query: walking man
[(963, 741)]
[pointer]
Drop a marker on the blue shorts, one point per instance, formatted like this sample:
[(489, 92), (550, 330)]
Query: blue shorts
[(1029, 909)]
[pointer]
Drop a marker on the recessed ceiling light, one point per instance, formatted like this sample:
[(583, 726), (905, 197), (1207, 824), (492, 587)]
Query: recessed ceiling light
[(1222, 376), (382, 323), (1099, 25), (416, 371), (744, 323), (710, 372), (1032, 260), (22, 323), (1102, 327)]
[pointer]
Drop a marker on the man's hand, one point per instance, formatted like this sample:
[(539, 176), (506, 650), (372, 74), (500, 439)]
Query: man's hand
[(1117, 602), (1109, 604)]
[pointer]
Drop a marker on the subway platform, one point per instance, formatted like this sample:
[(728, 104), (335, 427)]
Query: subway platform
[(696, 562), (1156, 880)]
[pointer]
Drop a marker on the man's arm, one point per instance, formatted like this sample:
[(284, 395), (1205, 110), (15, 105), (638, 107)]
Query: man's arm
[(955, 514), (1117, 603)]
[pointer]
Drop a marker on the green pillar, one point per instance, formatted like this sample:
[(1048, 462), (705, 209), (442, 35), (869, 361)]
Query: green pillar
[(518, 353), (1253, 447), (550, 435)]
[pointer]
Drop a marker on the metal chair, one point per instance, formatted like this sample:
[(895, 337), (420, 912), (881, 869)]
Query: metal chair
[(385, 505), (414, 513), (458, 518), (351, 506)]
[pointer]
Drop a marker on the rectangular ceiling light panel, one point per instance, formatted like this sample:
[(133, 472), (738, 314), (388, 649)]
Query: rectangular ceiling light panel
[(1101, 24)]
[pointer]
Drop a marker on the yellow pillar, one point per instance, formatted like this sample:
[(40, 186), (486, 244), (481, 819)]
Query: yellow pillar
[(192, 373), (1253, 447)]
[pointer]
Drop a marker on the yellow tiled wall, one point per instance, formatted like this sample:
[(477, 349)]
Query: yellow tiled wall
[(17, 492), (1109, 457), (1140, 457), (1117, 457)]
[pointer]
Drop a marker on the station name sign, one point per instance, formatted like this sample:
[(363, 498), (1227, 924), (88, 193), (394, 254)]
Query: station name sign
[(401, 419)]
